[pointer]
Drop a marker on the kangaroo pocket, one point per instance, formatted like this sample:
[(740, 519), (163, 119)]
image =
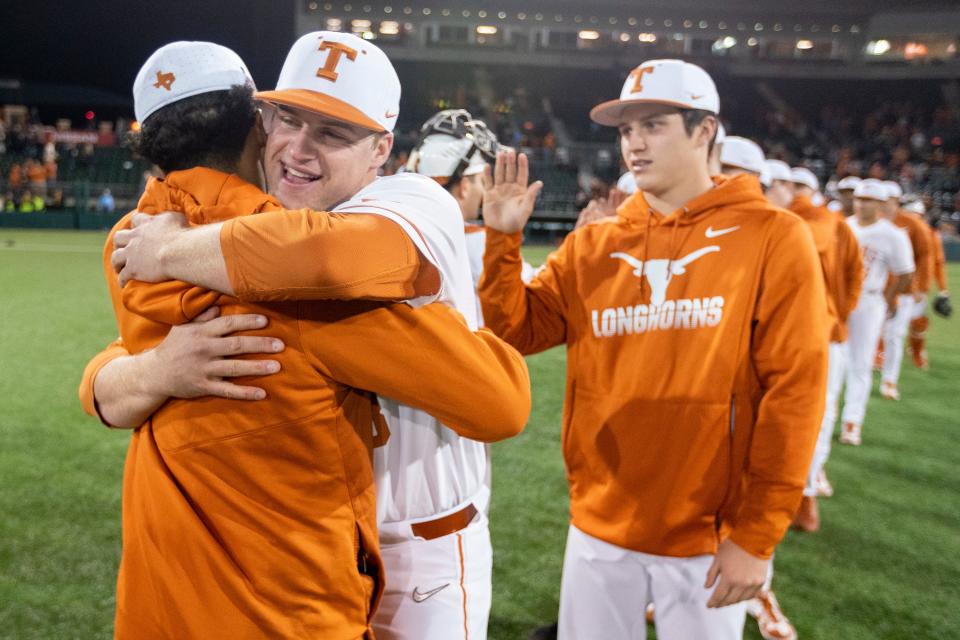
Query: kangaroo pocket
[(648, 475)]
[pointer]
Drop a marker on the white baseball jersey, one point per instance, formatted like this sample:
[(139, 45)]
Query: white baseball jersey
[(425, 468), (886, 250)]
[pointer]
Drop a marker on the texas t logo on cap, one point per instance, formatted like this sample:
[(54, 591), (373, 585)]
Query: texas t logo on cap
[(670, 82), (335, 51), (341, 76)]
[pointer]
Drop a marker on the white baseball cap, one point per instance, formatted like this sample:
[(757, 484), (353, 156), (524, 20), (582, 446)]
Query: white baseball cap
[(742, 153), (671, 82), (184, 69), (802, 175), (779, 170), (342, 76), (915, 206), (894, 190), (439, 155), (871, 189), (848, 184)]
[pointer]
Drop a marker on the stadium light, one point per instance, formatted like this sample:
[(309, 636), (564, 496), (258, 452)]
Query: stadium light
[(487, 30), (368, 35), (752, 42), (803, 45), (648, 37), (624, 37), (334, 24), (589, 34), (360, 25), (915, 50), (389, 28), (878, 47), (723, 44)]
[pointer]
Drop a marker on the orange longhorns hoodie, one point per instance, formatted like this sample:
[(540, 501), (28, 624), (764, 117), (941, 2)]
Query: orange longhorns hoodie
[(257, 519), (696, 364), (840, 258)]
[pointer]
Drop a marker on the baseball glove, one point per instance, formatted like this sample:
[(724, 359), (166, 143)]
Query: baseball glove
[(942, 306)]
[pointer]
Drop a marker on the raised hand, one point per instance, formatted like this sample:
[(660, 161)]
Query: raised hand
[(507, 199)]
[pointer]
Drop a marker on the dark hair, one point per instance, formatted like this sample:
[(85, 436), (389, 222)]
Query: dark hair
[(692, 119), (209, 129)]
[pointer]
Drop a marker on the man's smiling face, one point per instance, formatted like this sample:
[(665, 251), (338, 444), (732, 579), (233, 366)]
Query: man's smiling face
[(317, 162)]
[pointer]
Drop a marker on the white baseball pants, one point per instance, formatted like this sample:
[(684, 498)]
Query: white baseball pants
[(837, 367), (606, 589), (894, 333), (865, 324), (437, 589)]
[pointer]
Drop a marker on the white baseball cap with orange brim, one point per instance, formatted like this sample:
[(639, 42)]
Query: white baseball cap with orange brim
[(669, 82), (341, 76)]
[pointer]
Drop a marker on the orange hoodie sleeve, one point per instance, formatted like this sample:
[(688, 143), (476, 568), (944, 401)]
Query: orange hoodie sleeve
[(428, 358), (87, 400), (850, 261), (920, 238), (531, 317), (939, 261), (789, 350), (315, 255)]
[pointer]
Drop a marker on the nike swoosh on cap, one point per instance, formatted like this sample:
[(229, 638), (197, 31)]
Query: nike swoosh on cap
[(710, 233), (420, 596)]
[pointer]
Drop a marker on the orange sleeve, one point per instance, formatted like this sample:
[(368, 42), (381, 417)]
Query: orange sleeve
[(789, 347), (939, 262), (920, 238), (428, 358), (851, 263), (87, 400), (531, 317), (315, 255)]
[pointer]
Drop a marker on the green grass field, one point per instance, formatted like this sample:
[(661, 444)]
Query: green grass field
[(884, 565)]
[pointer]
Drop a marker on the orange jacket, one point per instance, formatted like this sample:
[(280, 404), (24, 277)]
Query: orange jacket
[(696, 365), (840, 259), (917, 229), (257, 519), (939, 260)]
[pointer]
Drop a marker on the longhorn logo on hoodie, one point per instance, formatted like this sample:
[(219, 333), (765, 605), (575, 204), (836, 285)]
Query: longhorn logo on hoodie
[(660, 313)]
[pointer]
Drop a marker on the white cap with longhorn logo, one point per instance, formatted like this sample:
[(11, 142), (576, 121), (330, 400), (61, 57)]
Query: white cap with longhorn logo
[(341, 76)]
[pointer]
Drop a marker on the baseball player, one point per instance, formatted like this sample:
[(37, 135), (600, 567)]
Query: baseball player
[(666, 393), (431, 483), (843, 275), (780, 192), (744, 156), (845, 189), (919, 322), (453, 149), (886, 252), (741, 155), (259, 520), (908, 303)]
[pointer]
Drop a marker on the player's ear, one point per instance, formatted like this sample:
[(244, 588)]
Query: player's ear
[(259, 131), (382, 146)]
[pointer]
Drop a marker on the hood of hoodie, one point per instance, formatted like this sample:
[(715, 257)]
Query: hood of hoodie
[(204, 196), (742, 191)]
